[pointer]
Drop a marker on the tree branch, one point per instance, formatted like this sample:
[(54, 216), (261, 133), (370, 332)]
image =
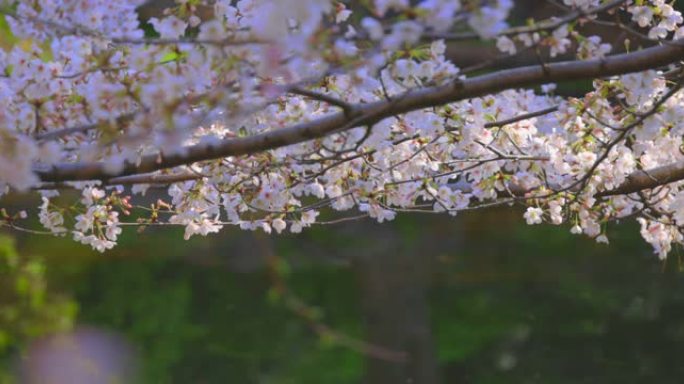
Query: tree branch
[(368, 114), (346, 107), (648, 179), (515, 119)]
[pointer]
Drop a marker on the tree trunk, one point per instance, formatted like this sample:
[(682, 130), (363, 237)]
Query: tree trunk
[(393, 285)]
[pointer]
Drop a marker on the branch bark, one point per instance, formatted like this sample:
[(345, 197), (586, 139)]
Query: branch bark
[(648, 179), (369, 114)]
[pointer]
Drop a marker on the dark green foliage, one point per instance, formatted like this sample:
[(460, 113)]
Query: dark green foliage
[(506, 302), (29, 307)]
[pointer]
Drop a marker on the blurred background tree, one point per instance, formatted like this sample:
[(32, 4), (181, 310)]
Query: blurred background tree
[(479, 299)]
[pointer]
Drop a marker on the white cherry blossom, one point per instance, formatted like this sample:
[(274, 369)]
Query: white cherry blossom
[(329, 113)]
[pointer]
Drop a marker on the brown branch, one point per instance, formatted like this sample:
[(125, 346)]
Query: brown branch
[(515, 119), (582, 182), (59, 133), (648, 179), (636, 182), (165, 179), (371, 113), (145, 178), (346, 107)]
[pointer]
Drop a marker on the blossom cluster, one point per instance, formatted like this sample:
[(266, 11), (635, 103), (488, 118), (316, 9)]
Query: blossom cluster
[(85, 82)]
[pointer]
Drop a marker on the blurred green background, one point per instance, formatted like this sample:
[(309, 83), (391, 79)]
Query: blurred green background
[(481, 298)]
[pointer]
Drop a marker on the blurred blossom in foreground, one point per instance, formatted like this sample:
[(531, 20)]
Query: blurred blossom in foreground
[(84, 356)]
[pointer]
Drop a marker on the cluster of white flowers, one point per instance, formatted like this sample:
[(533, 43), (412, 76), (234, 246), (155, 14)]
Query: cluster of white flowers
[(584, 5), (51, 220), (489, 20), (592, 47), (659, 16), (559, 42), (198, 215), (82, 84), (98, 224)]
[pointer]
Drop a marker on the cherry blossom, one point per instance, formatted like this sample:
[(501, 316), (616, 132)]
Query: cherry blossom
[(280, 115)]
